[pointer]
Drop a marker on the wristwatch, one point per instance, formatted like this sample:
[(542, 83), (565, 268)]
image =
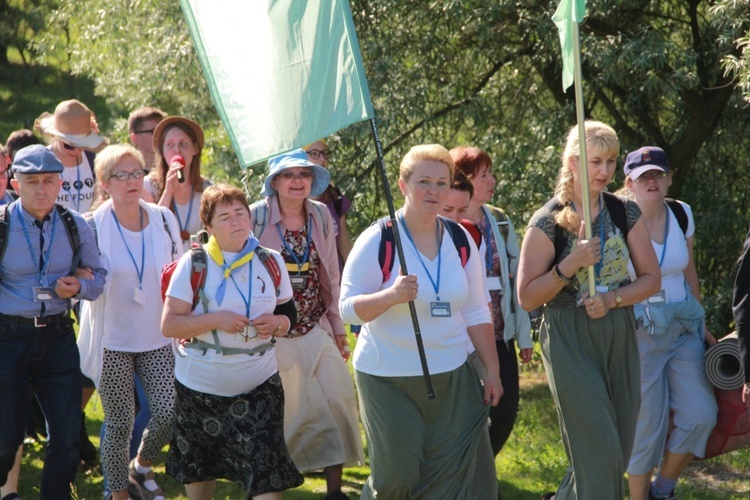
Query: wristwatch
[(618, 299)]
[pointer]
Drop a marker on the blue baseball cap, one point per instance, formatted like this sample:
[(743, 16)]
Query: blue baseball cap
[(36, 159), (295, 159), (644, 159)]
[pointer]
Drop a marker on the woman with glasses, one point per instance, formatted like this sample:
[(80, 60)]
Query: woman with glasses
[(176, 181), (671, 338), (336, 201), (229, 407), (73, 135), (120, 332), (320, 416)]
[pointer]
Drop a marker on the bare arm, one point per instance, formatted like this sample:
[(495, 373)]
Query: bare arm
[(483, 338), (343, 241), (178, 322), (536, 283)]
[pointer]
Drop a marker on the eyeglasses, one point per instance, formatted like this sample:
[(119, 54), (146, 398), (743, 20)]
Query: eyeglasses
[(315, 153), (123, 176), (656, 175), (147, 131), (68, 146), (302, 174)]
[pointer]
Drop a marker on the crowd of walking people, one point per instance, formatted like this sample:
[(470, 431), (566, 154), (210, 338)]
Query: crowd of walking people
[(216, 324)]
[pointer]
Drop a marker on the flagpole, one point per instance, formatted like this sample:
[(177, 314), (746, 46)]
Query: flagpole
[(401, 258), (582, 155)]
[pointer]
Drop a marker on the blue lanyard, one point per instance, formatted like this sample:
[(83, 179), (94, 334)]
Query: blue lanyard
[(247, 299), (435, 283), (289, 249), (45, 265), (666, 234), (143, 248), (598, 266), (190, 211)]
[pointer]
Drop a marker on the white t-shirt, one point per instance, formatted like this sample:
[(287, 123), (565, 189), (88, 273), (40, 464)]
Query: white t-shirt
[(386, 345), (77, 192), (132, 326), (214, 373), (675, 256)]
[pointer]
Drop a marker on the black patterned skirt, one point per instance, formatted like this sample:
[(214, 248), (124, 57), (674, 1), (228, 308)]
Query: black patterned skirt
[(239, 438)]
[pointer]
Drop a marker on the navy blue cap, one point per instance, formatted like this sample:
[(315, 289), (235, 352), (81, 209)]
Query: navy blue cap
[(645, 159), (36, 159)]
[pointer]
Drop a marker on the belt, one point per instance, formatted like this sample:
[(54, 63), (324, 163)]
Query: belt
[(39, 321)]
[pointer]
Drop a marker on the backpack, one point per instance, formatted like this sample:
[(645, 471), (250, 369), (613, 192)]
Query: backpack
[(387, 243), (198, 271), (615, 207), (71, 229), (473, 231), (259, 213), (679, 212)]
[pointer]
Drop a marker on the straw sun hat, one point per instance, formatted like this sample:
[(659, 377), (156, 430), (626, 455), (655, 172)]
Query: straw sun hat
[(73, 123)]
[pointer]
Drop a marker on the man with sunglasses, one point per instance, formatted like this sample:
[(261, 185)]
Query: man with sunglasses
[(39, 275), (141, 124)]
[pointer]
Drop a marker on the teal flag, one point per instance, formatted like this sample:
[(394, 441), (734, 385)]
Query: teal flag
[(567, 13), (282, 73)]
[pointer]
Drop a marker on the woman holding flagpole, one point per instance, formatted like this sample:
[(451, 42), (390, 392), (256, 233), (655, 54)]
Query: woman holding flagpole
[(588, 336), (418, 447)]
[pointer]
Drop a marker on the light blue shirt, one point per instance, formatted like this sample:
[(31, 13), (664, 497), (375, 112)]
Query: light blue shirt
[(19, 269), (7, 197)]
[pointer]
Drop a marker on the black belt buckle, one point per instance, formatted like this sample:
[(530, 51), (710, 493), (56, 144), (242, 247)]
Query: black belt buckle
[(40, 321)]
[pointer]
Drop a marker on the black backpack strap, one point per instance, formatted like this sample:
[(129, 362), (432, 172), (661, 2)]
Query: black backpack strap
[(386, 253), (4, 223), (458, 235), (169, 233), (679, 212), (71, 229), (560, 242), (90, 157), (616, 209)]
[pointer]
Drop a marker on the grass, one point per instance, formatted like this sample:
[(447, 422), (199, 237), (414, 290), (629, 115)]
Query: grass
[(532, 462)]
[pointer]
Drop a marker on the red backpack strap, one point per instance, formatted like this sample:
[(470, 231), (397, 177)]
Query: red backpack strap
[(473, 230), (271, 265), (387, 247)]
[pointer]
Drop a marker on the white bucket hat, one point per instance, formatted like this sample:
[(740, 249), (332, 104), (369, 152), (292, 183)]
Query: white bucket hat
[(73, 123)]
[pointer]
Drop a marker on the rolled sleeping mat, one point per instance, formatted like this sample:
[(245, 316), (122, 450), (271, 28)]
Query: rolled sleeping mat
[(723, 367)]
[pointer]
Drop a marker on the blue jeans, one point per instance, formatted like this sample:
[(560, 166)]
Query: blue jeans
[(49, 357)]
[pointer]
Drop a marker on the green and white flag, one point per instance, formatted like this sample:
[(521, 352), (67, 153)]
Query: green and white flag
[(567, 13), (282, 73)]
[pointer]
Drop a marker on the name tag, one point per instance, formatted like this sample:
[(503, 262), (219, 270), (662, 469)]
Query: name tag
[(658, 298), (298, 281), (440, 309), (493, 283), (139, 296), (43, 293)]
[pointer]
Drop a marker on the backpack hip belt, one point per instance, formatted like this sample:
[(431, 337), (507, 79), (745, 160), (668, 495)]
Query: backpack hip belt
[(196, 343)]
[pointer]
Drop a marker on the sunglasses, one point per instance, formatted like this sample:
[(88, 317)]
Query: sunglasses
[(147, 131), (656, 175), (68, 146), (302, 174)]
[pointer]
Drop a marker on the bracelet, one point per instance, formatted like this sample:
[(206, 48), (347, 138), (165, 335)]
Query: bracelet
[(559, 277), (278, 327)]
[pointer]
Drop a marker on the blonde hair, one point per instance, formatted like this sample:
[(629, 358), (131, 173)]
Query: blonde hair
[(600, 139), (105, 162), (425, 152)]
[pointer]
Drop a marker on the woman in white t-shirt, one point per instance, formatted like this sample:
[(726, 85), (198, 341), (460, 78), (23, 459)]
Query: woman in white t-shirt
[(420, 447), (120, 333), (229, 409), (671, 334)]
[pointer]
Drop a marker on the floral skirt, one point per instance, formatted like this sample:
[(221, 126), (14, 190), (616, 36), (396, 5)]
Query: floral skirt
[(239, 438)]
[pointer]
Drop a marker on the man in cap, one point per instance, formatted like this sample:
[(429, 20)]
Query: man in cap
[(44, 250)]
